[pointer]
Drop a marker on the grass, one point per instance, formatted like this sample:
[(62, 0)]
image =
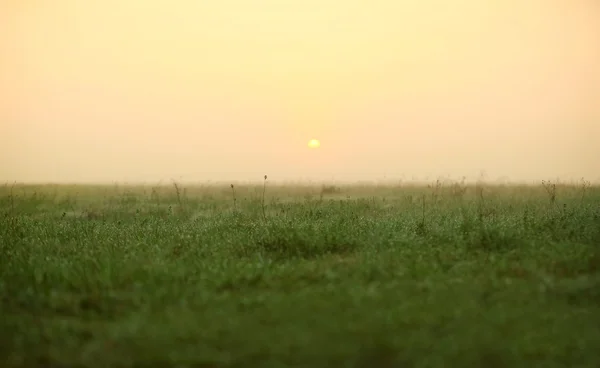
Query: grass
[(338, 276)]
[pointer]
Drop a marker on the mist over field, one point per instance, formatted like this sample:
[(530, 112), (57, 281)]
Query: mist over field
[(207, 120), (144, 91)]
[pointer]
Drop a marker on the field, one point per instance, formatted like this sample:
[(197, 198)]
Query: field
[(271, 276)]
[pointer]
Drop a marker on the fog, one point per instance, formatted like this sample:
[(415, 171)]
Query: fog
[(192, 90)]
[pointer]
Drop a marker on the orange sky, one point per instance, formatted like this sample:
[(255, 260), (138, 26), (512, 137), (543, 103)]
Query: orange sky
[(144, 90)]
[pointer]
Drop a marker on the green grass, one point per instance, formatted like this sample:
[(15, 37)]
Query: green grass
[(351, 276)]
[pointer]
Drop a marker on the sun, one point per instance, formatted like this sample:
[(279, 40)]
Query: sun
[(314, 143)]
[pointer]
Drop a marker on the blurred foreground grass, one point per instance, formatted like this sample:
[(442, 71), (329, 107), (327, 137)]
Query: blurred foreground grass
[(351, 276)]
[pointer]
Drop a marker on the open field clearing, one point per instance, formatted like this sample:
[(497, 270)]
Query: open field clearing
[(254, 276)]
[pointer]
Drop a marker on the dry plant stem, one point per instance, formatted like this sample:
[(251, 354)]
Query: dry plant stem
[(234, 199), (435, 190), (154, 195), (421, 225), (12, 200), (585, 185), (480, 203), (13, 218), (263, 198), (551, 190), (177, 191), (423, 210)]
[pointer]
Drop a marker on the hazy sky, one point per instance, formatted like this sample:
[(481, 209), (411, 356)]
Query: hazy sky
[(144, 90)]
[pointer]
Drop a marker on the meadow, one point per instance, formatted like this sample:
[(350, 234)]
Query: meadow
[(261, 275)]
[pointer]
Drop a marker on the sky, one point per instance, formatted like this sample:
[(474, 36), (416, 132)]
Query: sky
[(194, 90)]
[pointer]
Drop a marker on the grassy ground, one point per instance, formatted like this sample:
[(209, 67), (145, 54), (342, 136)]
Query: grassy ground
[(446, 275)]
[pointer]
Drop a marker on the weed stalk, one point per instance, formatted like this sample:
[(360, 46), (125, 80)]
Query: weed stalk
[(263, 198), (234, 199), (178, 192), (421, 224), (585, 185), (551, 190)]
